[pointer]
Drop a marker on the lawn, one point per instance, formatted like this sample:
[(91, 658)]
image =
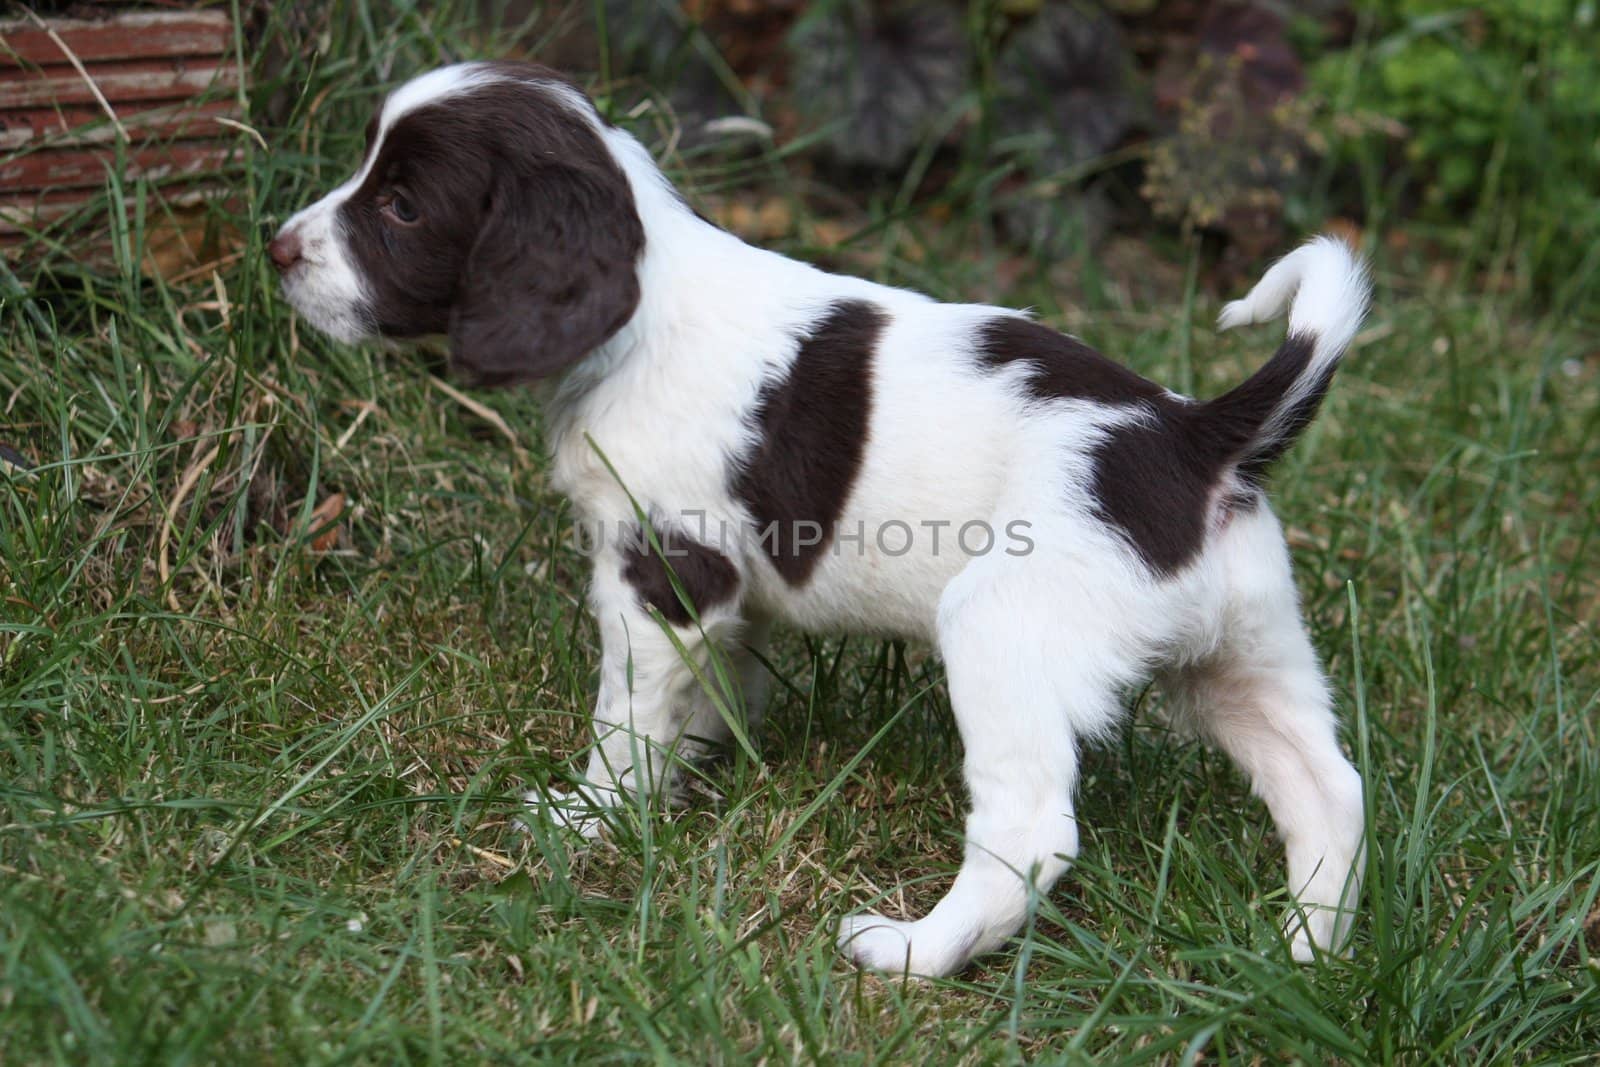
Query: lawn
[(286, 628)]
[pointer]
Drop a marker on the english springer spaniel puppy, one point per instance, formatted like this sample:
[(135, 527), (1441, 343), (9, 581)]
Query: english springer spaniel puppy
[(837, 455)]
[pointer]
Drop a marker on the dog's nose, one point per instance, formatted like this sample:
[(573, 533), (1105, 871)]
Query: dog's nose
[(284, 250)]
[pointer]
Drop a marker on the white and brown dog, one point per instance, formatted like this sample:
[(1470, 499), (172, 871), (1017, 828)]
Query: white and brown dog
[(801, 440)]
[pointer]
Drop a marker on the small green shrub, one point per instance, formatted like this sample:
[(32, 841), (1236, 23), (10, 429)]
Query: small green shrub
[(1500, 105)]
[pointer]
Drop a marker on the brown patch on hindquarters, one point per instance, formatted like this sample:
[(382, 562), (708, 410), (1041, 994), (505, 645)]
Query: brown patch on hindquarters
[(1157, 476)]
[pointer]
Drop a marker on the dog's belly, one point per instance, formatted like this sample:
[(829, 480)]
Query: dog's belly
[(860, 588)]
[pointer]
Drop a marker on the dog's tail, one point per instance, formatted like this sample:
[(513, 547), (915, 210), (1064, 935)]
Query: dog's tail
[(1325, 289)]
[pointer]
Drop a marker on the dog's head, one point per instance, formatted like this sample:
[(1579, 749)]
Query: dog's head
[(487, 209)]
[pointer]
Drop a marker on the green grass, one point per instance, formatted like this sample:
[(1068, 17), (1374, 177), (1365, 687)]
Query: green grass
[(258, 801)]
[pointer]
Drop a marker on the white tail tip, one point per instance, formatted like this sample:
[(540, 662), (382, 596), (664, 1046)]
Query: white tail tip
[(1322, 278)]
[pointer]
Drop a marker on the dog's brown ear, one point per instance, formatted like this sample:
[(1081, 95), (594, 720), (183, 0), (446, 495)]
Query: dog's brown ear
[(553, 273)]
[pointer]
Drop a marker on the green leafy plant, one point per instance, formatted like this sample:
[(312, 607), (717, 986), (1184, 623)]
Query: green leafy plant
[(1498, 107)]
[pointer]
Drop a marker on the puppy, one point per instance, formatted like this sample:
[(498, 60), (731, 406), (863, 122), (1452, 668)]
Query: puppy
[(833, 454)]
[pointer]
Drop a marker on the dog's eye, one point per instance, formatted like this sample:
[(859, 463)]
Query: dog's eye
[(400, 208)]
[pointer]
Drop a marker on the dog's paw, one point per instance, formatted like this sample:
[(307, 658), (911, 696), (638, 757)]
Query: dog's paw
[(577, 812), (897, 947), (876, 943), (1317, 932)]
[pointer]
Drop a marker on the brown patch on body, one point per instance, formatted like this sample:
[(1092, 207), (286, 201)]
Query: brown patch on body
[(813, 425), (707, 577)]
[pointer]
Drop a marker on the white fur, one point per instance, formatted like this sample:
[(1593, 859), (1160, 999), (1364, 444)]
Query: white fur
[(1040, 647)]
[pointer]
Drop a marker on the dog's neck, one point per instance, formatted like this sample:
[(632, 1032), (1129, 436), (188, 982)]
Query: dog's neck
[(685, 323)]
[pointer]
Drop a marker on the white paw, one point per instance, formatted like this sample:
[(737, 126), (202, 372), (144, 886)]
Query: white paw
[(876, 943), (581, 812), (1301, 949), (893, 946), (1317, 932)]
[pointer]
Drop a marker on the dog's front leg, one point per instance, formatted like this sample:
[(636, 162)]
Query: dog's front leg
[(647, 717)]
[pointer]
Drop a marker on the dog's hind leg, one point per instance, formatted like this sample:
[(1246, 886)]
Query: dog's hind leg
[(1026, 684), (1261, 697)]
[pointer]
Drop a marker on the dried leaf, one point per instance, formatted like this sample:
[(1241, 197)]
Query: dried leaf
[(324, 523)]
